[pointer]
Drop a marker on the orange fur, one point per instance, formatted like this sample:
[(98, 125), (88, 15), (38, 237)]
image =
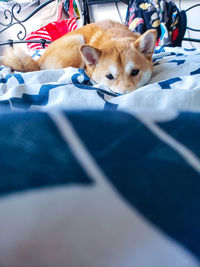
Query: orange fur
[(111, 54), (16, 59)]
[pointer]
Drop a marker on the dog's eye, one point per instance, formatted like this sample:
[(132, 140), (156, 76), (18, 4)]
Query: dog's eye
[(134, 72), (110, 76)]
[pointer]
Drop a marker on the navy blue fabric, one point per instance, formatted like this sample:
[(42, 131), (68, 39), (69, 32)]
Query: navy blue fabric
[(34, 155), (179, 62), (195, 72), (28, 100), (4, 80), (108, 105), (162, 15), (86, 83), (188, 132), (150, 175), (19, 78), (166, 84)]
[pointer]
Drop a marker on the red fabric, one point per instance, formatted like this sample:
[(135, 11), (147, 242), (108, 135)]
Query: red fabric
[(157, 43), (56, 30), (175, 34), (53, 30)]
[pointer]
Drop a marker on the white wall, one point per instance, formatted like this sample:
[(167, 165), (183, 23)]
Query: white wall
[(109, 11), (193, 20)]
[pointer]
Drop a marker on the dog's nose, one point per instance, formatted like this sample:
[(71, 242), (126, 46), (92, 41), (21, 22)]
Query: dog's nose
[(128, 90), (124, 88)]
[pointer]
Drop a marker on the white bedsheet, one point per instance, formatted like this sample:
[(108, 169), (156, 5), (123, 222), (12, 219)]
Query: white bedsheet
[(175, 84)]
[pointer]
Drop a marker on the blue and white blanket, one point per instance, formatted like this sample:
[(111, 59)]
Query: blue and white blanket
[(91, 179), (175, 84)]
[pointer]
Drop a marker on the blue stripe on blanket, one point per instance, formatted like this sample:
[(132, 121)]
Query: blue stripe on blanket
[(189, 49), (108, 105), (2, 67), (179, 62), (86, 83), (19, 78), (148, 173), (4, 80), (187, 133), (27, 100), (5, 105), (195, 72), (159, 49), (34, 155), (157, 59), (166, 84)]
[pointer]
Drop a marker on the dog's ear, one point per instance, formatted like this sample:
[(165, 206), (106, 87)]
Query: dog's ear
[(146, 43), (90, 54)]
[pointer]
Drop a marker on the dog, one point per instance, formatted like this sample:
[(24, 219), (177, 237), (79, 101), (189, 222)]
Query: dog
[(110, 53)]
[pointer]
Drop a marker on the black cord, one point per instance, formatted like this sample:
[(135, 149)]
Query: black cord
[(10, 43), (192, 7), (191, 29), (188, 29)]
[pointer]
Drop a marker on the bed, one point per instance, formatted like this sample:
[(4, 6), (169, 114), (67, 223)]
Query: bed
[(89, 178)]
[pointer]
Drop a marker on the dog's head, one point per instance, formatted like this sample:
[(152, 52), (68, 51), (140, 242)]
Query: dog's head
[(123, 64)]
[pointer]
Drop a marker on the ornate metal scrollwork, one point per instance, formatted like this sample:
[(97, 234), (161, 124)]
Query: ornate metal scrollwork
[(190, 28), (6, 17), (11, 15), (11, 18)]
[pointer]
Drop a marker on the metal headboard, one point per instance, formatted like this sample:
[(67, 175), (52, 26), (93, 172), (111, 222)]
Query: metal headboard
[(190, 28), (16, 9), (11, 15)]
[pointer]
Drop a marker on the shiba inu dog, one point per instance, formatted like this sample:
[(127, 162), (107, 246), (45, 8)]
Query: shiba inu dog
[(111, 54)]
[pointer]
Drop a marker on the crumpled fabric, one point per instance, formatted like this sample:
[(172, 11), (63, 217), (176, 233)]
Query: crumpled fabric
[(162, 15)]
